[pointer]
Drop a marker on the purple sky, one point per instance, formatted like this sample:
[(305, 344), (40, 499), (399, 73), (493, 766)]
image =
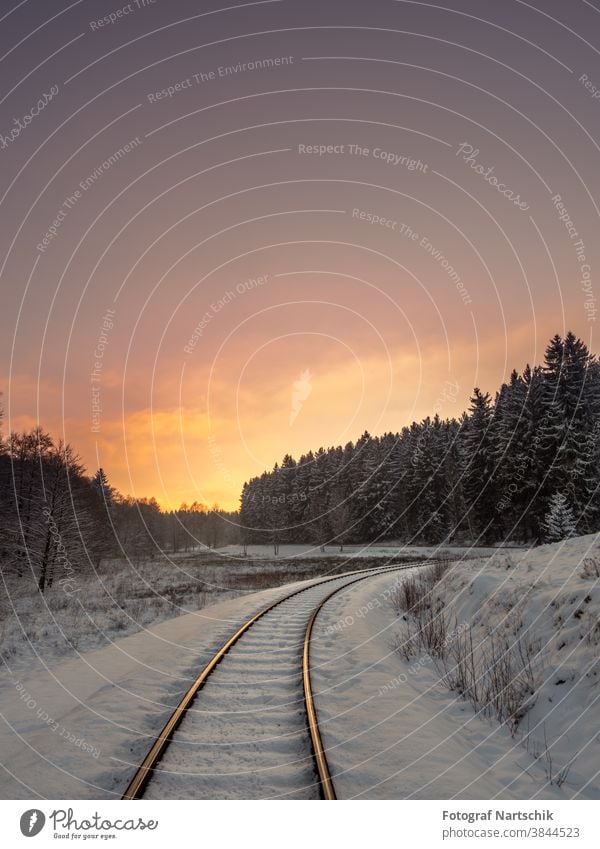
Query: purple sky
[(229, 233)]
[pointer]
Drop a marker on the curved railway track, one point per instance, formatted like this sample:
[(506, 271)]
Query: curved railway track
[(300, 610)]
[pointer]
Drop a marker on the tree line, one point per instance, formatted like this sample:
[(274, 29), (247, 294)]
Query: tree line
[(524, 466), (55, 520)]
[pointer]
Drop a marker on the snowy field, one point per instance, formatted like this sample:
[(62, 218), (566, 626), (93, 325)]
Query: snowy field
[(391, 550), (124, 597)]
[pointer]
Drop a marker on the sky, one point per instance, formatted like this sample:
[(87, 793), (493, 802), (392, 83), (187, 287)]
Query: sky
[(235, 232)]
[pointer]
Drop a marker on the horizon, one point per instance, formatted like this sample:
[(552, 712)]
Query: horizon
[(445, 405)]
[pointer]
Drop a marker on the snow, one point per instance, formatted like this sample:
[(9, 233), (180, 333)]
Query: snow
[(113, 700), (246, 736), (123, 597), (391, 550), (555, 606), (559, 522), (392, 730), (77, 728)]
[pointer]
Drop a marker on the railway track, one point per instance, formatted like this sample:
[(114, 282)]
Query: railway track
[(253, 732)]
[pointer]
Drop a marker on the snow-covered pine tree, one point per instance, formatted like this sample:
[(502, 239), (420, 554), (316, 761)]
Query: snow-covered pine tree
[(251, 518), (532, 502), (360, 521), (429, 480), (371, 503), (287, 487), (320, 478), (554, 423), (276, 505), (478, 457), (339, 517), (559, 522), (512, 454), (452, 468), (397, 462), (492, 471), (103, 488), (572, 402), (413, 440)]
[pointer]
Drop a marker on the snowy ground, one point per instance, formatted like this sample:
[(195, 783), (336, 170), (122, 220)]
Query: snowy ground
[(394, 731), (124, 597), (246, 735), (77, 728), (390, 550), (550, 598)]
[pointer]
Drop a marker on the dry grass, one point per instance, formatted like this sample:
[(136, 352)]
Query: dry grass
[(495, 671), (497, 676), (414, 594), (123, 598)]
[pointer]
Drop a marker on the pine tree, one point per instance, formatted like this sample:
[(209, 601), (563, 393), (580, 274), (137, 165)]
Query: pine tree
[(102, 505), (372, 496), (572, 401), (397, 463), (286, 493), (531, 495), (429, 509), (559, 522), (478, 456), (319, 528), (249, 515), (275, 507), (301, 495), (103, 488), (516, 446)]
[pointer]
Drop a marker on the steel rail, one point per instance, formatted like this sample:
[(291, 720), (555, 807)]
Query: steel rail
[(320, 756), (143, 774)]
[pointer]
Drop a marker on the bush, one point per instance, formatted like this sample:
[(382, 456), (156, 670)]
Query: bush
[(414, 593), (591, 567), (497, 676)]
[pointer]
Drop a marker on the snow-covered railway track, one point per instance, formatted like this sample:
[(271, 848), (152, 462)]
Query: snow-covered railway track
[(254, 732)]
